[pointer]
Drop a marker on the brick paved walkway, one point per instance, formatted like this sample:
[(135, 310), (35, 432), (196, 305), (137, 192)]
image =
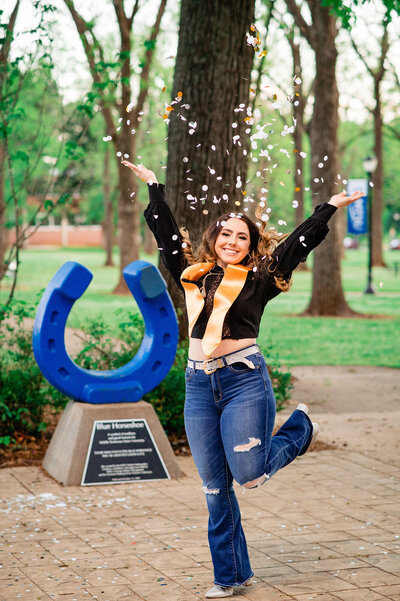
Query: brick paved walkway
[(326, 528)]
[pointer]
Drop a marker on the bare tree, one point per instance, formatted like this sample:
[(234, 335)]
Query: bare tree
[(108, 222), (377, 75), (4, 54), (299, 104), (327, 293), (115, 96), (296, 124), (20, 159)]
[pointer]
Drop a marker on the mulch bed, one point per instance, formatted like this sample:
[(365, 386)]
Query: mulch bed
[(30, 451)]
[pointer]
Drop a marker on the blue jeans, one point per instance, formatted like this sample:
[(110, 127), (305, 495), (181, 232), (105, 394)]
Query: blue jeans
[(229, 417)]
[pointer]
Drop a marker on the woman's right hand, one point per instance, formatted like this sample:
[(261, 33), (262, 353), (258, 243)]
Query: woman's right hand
[(140, 170)]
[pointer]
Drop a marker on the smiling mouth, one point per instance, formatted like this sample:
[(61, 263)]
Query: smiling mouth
[(230, 251)]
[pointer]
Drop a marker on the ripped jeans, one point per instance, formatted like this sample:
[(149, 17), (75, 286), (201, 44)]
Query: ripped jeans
[(229, 417)]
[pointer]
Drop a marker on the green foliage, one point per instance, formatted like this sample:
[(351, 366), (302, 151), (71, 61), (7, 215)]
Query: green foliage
[(150, 44), (281, 379), (168, 399), (24, 393), (346, 13), (101, 352)]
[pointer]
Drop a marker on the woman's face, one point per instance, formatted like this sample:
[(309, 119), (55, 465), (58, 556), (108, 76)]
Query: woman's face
[(232, 243)]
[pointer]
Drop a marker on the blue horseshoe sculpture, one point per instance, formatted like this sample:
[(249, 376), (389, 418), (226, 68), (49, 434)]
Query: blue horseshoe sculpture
[(129, 383)]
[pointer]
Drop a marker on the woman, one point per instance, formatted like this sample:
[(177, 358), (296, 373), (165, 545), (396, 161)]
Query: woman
[(230, 404)]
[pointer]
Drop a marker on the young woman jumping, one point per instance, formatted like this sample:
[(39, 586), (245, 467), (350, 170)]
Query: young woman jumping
[(230, 405)]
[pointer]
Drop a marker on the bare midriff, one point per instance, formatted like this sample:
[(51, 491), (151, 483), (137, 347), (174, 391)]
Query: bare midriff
[(225, 347)]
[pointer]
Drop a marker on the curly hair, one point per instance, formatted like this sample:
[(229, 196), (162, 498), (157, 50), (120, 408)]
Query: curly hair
[(262, 245)]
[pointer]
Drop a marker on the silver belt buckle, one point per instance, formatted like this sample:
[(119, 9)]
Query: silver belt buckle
[(207, 371)]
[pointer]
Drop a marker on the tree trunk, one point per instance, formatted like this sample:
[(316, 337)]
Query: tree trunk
[(8, 31), (377, 75), (299, 103), (327, 291), (149, 242), (3, 230), (108, 226), (213, 69), (298, 114), (128, 212), (377, 179)]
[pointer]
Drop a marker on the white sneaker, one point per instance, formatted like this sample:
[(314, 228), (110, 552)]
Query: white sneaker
[(218, 592), (315, 432), (302, 407)]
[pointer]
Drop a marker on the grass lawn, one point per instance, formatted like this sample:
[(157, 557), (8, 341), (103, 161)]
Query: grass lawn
[(293, 340)]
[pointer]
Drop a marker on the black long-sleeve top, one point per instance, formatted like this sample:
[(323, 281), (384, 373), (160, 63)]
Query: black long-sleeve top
[(243, 317)]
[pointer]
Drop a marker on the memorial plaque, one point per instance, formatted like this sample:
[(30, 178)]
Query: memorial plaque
[(122, 451)]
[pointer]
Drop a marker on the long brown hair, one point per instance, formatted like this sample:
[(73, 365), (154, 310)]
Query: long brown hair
[(262, 245)]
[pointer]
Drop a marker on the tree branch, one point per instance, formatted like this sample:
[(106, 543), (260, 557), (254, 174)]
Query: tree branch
[(384, 51), (5, 49), (144, 76), (378, 73), (263, 58), (305, 28), (89, 48), (124, 23), (361, 57), (393, 131), (134, 11)]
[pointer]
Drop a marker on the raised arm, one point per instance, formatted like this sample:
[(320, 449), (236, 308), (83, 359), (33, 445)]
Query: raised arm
[(162, 223), (296, 247)]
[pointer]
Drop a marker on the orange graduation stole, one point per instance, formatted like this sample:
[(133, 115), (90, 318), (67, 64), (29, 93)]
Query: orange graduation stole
[(226, 293)]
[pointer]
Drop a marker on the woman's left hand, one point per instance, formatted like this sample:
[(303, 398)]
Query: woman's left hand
[(342, 200)]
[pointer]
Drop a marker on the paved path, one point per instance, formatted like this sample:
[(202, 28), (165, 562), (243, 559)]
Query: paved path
[(326, 528)]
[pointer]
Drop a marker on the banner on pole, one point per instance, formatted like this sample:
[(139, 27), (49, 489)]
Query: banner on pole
[(357, 212)]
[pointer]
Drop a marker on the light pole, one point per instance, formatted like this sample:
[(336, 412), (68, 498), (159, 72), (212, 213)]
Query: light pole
[(369, 164)]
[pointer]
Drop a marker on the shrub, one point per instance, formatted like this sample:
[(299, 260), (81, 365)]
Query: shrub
[(25, 394)]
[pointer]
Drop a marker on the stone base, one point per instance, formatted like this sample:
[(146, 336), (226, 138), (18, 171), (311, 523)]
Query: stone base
[(66, 455)]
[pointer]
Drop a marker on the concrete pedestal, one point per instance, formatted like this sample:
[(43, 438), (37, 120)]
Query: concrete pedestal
[(66, 455)]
